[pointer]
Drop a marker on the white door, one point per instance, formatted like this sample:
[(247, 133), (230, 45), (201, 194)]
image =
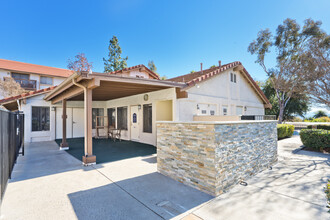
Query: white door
[(239, 110), (59, 126), (77, 122), (134, 123)]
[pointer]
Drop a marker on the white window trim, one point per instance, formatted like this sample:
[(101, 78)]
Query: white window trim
[(42, 84)]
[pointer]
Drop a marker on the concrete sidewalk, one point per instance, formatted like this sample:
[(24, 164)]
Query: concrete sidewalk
[(51, 184), (293, 189)]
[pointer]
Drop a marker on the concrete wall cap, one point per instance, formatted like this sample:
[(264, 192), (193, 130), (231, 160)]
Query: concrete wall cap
[(217, 122)]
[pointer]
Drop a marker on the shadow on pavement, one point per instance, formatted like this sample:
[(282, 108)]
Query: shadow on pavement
[(150, 196)]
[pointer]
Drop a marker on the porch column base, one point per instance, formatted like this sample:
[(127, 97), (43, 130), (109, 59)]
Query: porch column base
[(89, 160), (64, 146)]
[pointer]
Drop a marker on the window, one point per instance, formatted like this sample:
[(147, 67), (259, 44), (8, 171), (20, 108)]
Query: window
[(46, 80), (97, 112), (204, 112), (122, 118), (147, 118), (224, 110), (233, 77), (212, 112), (112, 117), (40, 118), (20, 76)]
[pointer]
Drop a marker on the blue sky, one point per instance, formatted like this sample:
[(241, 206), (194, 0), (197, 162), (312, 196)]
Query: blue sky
[(177, 35)]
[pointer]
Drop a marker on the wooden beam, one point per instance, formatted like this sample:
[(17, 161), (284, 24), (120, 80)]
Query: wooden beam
[(269, 106), (72, 92), (180, 94), (64, 145), (89, 158), (239, 68), (94, 83)]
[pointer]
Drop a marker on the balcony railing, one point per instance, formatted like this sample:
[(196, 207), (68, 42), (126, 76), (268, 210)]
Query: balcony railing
[(26, 84), (258, 117)]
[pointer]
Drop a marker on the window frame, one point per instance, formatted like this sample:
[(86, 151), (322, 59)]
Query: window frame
[(26, 74), (119, 120), (39, 119), (223, 108), (46, 77), (112, 117), (147, 126), (94, 119)]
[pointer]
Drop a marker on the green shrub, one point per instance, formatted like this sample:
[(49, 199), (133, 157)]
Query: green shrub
[(321, 119), (315, 138), (284, 131), (327, 192), (324, 127)]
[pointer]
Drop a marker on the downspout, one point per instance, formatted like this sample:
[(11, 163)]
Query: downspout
[(18, 105), (85, 110)]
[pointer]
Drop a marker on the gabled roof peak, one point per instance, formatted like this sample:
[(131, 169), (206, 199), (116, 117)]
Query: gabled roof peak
[(151, 73)]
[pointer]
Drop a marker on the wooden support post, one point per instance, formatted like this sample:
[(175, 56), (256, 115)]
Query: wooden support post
[(64, 145), (89, 158)]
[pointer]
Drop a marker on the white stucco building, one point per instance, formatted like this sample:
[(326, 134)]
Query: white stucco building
[(134, 99), (32, 77)]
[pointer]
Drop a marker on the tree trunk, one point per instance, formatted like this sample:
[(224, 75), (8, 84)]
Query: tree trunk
[(280, 115)]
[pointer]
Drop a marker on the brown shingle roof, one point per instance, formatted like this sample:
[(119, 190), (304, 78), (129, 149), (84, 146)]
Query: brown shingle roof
[(33, 68)]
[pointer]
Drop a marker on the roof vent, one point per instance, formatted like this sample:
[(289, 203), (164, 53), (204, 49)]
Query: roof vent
[(219, 63), (201, 68)]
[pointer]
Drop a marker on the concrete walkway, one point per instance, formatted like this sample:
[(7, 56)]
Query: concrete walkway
[(293, 189), (51, 184)]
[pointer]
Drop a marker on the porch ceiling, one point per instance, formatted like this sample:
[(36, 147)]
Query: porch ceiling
[(114, 90), (108, 87)]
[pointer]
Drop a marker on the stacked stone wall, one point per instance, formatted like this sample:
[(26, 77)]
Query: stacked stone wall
[(213, 157)]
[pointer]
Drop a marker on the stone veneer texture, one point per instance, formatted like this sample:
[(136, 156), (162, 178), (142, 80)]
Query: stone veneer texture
[(213, 157)]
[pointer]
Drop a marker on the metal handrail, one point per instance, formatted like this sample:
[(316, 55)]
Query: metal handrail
[(258, 117), (25, 83)]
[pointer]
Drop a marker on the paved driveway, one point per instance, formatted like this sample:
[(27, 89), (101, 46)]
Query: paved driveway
[(51, 184)]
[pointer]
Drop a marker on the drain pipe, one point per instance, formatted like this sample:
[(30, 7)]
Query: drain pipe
[(18, 105), (85, 110)]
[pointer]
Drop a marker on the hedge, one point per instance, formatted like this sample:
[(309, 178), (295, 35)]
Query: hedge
[(324, 127), (315, 138), (321, 119), (284, 131)]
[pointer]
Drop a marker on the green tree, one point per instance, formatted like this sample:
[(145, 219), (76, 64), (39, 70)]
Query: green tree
[(290, 42), (297, 105), (213, 66), (316, 60), (152, 66), (193, 71), (320, 113), (114, 61)]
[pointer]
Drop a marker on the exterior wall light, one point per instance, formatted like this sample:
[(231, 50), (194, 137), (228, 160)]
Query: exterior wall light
[(53, 108), (245, 108), (197, 107), (139, 107)]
